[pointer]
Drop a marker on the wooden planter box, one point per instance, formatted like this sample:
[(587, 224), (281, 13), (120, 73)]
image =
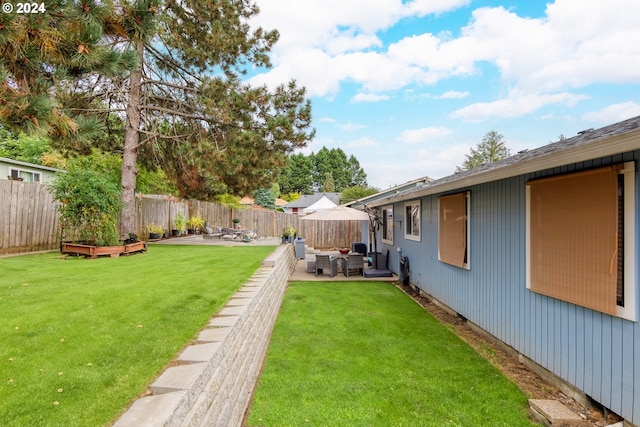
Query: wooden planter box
[(90, 251)]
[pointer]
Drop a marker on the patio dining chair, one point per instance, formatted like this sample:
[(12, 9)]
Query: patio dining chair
[(353, 262), (252, 234), (326, 262), (211, 233)]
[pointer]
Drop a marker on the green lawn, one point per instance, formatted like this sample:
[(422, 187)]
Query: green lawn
[(82, 338), (364, 354)]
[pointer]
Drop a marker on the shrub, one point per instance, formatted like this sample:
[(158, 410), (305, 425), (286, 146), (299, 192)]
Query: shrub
[(89, 206)]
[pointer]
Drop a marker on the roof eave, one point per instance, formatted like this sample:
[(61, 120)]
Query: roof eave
[(616, 144)]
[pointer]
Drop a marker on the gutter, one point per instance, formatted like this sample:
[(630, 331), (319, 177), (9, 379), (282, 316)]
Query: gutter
[(593, 149)]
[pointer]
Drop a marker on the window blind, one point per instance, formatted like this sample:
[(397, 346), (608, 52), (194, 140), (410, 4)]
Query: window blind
[(452, 229), (573, 237)]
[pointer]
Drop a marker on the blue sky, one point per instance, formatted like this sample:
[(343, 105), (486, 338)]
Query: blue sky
[(408, 87)]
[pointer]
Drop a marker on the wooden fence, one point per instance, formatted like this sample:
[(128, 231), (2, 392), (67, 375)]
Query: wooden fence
[(319, 234), (29, 221)]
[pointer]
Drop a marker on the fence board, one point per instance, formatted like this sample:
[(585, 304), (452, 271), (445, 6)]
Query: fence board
[(27, 218), (29, 221)]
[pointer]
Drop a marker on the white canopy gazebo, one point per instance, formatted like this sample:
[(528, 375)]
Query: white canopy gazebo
[(322, 204)]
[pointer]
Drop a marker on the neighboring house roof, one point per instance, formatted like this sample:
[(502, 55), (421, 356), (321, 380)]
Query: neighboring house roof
[(29, 165), (322, 204), (587, 145), (307, 200)]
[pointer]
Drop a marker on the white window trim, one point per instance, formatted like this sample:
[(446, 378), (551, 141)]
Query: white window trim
[(384, 212), (33, 174), (629, 311), (404, 229)]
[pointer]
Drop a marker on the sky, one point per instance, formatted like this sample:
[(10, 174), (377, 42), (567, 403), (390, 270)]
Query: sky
[(409, 87)]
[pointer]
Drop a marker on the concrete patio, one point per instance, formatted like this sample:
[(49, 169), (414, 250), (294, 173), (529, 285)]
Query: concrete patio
[(300, 271)]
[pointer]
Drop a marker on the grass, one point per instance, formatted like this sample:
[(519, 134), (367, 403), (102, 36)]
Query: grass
[(364, 354), (82, 338)]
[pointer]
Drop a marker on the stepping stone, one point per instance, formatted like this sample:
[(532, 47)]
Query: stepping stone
[(200, 352), (233, 310), (555, 414), (214, 335), (224, 321)]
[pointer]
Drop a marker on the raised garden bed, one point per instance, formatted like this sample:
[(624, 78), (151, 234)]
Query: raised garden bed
[(91, 251)]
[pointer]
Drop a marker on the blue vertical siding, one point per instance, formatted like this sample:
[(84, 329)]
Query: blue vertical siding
[(597, 353)]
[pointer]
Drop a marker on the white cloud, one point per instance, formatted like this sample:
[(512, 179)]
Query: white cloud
[(434, 162), (429, 134), (369, 97), (577, 43), (613, 113), (517, 104), (453, 95), (365, 142), (348, 127)]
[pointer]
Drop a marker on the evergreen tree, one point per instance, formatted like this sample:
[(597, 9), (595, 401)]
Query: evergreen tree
[(184, 104), (356, 175), (265, 198), (306, 174), (297, 175), (329, 185), (46, 52), (491, 149), (332, 161)]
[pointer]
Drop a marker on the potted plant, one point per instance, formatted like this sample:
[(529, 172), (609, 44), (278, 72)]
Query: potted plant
[(235, 221), (288, 235), (195, 224), (180, 223), (155, 231)]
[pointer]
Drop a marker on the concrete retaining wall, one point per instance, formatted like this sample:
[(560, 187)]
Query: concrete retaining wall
[(212, 380)]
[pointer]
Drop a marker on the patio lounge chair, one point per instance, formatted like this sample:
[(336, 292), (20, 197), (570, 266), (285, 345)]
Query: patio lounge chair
[(211, 233), (353, 262), (326, 262), (359, 247)]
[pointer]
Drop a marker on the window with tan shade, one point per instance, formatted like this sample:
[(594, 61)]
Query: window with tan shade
[(575, 233), (453, 222)]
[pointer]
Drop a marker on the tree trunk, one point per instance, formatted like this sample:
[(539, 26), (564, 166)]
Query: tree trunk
[(130, 151)]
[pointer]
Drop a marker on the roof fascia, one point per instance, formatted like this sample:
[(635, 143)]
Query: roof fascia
[(29, 165), (602, 147)]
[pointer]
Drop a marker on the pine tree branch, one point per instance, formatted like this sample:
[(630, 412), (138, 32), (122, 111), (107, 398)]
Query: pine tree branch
[(174, 112), (172, 85)]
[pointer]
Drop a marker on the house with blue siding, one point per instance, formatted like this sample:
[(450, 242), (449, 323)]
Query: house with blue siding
[(540, 250)]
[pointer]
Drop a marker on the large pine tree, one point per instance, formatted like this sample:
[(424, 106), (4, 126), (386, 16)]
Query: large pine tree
[(42, 53), (186, 107), (183, 106)]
